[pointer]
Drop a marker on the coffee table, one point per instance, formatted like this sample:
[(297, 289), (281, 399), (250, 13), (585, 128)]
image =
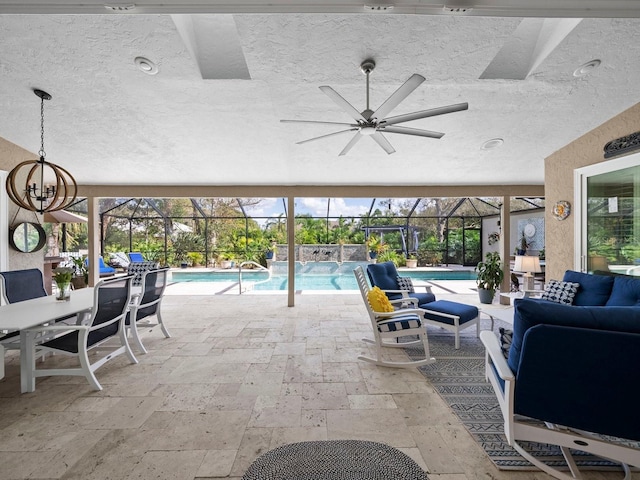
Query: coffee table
[(501, 313)]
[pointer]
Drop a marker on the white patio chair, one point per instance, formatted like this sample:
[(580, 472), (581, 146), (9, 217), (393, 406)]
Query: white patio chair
[(388, 327), (111, 301), (147, 304)]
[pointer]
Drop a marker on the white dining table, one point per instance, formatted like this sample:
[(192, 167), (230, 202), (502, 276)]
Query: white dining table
[(21, 316)]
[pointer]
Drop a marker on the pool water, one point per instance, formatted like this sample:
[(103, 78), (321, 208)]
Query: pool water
[(311, 276)]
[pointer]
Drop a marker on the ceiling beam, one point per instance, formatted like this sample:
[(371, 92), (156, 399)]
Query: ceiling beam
[(276, 191), (496, 8)]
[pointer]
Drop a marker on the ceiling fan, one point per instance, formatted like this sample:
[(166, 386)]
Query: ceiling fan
[(374, 123)]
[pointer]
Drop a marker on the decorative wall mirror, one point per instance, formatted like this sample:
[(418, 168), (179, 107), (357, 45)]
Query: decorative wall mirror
[(27, 237)]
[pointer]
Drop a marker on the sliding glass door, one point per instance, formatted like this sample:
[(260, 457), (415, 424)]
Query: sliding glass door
[(608, 229)]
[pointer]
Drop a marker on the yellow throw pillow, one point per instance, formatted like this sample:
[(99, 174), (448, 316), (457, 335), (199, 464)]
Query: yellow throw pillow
[(379, 301)]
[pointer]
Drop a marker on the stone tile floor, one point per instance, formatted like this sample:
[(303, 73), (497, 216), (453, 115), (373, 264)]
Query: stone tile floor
[(241, 375)]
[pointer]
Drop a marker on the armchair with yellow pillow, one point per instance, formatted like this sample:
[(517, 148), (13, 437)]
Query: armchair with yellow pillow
[(389, 325)]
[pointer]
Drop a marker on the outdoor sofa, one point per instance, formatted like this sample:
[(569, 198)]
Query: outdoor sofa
[(573, 366)]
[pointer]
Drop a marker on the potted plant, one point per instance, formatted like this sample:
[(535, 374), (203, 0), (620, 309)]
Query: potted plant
[(81, 273), (522, 249), (490, 276), (270, 253), (62, 276), (373, 243), (412, 261)]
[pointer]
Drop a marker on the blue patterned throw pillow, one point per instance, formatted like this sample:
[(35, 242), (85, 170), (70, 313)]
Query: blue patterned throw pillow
[(506, 337), (405, 283), (560, 292)]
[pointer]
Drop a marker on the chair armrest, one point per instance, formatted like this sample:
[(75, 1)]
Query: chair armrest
[(405, 293), (135, 298), (405, 300), (492, 346), (58, 328), (428, 288), (396, 313)]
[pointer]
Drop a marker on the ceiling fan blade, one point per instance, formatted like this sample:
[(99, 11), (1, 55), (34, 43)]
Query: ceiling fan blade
[(424, 114), (325, 136), (398, 96), (412, 131), (320, 122), (351, 143), (342, 103), (383, 142)]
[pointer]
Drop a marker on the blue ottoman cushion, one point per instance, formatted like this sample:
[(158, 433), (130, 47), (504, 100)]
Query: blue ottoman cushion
[(465, 312)]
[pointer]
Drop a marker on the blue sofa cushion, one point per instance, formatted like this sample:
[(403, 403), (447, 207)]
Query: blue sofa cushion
[(465, 312), (582, 378), (529, 312), (594, 289), (625, 292)]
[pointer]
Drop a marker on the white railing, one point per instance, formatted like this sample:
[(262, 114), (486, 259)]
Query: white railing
[(254, 264)]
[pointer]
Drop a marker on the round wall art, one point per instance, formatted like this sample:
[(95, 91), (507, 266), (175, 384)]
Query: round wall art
[(561, 209)]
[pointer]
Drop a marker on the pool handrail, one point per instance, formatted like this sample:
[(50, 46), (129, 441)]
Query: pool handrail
[(251, 262)]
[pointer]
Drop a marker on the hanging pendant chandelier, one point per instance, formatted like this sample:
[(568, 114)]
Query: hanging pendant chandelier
[(38, 185)]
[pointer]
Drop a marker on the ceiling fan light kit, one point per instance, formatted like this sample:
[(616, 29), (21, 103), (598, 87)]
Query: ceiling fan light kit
[(372, 123)]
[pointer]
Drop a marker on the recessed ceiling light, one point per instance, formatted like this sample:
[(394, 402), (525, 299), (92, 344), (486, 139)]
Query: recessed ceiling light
[(587, 68), (491, 144), (146, 66)]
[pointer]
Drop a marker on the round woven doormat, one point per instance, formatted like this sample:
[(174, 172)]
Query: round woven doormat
[(335, 460)]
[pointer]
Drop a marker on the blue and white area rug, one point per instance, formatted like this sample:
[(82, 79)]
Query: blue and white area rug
[(458, 376)]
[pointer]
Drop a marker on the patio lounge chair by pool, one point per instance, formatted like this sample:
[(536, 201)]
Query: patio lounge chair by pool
[(105, 271), (136, 257)]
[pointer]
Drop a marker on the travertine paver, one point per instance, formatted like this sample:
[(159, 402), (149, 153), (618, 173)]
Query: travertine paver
[(240, 376)]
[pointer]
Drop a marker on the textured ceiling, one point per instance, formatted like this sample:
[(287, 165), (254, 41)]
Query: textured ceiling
[(109, 123)]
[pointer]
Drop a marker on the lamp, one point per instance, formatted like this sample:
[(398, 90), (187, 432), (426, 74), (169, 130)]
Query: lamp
[(598, 262), (529, 264), (38, 185)]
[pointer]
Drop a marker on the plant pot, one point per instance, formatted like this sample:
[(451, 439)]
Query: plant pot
[(373, 255), (78, 282), (486, 296), (520, 251), (412, 263), (184, 264)]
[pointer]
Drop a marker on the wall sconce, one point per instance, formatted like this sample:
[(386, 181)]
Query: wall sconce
[(38, 185)]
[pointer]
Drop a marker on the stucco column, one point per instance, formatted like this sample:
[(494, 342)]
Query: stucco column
[(505, 247), (93, 237), (291, 250)]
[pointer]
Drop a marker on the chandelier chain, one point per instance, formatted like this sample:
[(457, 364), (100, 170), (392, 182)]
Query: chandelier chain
[(42, 152)]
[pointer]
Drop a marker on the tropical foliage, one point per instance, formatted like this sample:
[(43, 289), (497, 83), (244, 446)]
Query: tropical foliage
[(204, 230)]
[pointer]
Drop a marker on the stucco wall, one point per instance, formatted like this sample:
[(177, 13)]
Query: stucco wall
[(558, 173), (10, 156)]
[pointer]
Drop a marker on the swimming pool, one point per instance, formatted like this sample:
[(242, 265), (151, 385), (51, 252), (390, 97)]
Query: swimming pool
[(311, 276)]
